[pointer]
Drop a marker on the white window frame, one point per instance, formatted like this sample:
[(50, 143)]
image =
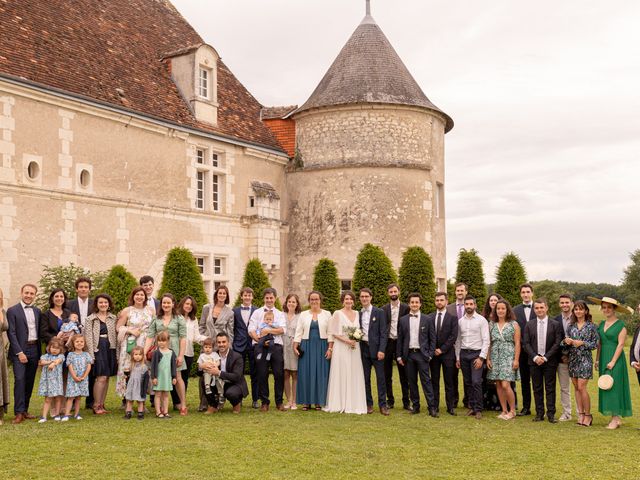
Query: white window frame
[(204, 82)]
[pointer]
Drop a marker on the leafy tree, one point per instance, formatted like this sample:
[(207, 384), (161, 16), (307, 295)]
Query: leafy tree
[(256, 278), (327, 282), (416, 275), (64, 276), (510, 274), (631, 282), (551, 291), (118, 284), (470, 272), (373, 270), (181, 277)]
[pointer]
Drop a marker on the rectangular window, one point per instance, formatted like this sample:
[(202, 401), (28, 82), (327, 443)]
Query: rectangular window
[(203, 83), (345, 284), (200, 262), (214, 160), (439, 201), (215, 190), (200, 190), (252, 201), (200, 155), (216, 285), (218, 266)]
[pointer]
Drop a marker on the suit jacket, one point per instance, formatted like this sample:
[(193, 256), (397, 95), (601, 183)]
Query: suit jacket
[(241, 338), (73, 307), (452, 310), (632, 354), (426, 338), (378, 331), (404, 310), (446, 339), (49, 325), (18, 330), (555, 335), (234, 374), (521, 318)]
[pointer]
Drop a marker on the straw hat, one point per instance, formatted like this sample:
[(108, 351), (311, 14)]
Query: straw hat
[(617, 305)]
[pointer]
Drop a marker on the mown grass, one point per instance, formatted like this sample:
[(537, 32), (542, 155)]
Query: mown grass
[(318, 445)]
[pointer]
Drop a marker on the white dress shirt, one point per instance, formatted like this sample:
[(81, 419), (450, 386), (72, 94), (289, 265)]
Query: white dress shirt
[(279, 321), (31, 322), (528, 310), (393, 325), (245, 314), (473, 334), (83, 307), (414, 330), (223, 362), (541, 328), (193, 335), (365, 316)]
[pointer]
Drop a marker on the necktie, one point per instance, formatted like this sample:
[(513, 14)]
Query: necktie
[(542, 341), (459, 307), (439, 323)]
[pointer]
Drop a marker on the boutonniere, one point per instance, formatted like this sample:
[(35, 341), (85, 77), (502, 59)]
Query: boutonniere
[(421, 328), (373, 319)]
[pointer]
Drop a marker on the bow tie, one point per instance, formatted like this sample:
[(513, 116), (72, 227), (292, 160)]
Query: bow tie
[(414, 316), (527, 305), (245, 308), (28, 306)]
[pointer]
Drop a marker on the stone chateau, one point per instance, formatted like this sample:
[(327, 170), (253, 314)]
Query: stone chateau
[(123, 134)]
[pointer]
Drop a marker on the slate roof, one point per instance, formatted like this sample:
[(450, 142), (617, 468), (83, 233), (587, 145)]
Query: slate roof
[(111, 51), (368, 70)]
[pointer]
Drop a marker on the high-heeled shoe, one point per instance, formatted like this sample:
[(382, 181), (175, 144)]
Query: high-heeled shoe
[(580, 418), (613, 424), (590, 420)]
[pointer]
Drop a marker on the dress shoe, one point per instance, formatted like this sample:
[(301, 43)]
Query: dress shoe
[(211, 410), (407, 407), (470, 413), (237, 408), (28, 416), (552, 419), (255, 405), (433, 413), (280, 407), (369, 409), (452, 412), (478, 415), (538, 418), (390, 405), (19, 419), (414, 411), (264, 407), (524, 412), (202, 408), (384, 411)]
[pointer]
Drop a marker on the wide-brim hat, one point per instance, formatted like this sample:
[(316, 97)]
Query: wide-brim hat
[(617, 305)]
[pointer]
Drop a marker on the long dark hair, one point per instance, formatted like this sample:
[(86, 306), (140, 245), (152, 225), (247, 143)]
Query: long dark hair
[(585, 307), (510, 315), (53, 292), (174, 309), (194, 307), (486, 311)]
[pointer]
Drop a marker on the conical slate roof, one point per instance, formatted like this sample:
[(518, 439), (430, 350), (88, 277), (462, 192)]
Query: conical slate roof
[(368, 70)]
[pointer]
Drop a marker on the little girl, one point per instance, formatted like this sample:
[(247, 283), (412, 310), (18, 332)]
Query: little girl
[(138, 383), (163, 374), (79, 363), (51, 378)]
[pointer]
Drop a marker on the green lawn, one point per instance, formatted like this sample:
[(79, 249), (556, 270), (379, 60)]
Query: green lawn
[(318, 445)]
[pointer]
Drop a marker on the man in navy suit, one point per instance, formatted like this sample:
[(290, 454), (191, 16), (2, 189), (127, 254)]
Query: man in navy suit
[(415, 349), (446, 331), (147, 283), (24, 352), (393, 311), (372, 347), (242, 343)]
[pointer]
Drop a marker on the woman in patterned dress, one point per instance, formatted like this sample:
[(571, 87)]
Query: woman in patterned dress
[(582, 338), (504, 355)]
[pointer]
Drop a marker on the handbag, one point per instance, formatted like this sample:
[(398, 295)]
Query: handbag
[(605, 382), (150, 352), (300, 351), (131, 343)]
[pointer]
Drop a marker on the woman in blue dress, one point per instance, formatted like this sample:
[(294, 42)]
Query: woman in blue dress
[(313, 346)]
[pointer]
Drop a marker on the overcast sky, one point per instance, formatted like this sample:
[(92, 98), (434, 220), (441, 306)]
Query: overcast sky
[(543, 157)]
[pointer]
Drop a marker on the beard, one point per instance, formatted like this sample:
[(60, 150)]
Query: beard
[(469, 311), (393, 297)]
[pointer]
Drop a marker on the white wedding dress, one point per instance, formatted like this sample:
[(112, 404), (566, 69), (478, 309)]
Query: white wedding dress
[(345, 393)]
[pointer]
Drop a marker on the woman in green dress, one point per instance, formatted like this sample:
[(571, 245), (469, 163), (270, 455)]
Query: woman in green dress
[(610, 359)]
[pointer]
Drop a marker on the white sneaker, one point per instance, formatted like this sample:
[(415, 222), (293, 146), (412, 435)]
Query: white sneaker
[(57, 418), (65, 418), (42, 420), (78, 417), (564, 418)]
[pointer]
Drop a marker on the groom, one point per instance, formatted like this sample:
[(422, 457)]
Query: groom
[(374, 341)]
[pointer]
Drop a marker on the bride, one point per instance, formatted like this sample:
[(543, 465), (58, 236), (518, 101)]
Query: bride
[(346, 393)]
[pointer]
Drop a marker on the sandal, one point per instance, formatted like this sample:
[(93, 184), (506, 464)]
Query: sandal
[(305, 408), (166, 415), (581, 416), (159, 415), (590, 420), (183, 411), (318, 407)]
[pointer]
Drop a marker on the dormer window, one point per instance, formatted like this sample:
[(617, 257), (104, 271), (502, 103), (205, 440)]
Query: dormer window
[(203, 83)]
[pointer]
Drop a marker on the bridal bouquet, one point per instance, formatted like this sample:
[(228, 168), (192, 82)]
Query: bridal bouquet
[(354, 333)]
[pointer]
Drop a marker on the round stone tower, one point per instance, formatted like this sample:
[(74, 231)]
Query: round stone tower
[(369, 164)]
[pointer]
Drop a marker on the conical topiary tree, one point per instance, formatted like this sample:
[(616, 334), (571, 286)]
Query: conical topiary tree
[(326, 281), (256, 278), (510, 274), (181, 277), (373, 270), (470, 272), (416, 275), (118, 285)]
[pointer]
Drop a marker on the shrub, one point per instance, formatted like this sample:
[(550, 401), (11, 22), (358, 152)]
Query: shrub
[(327, 282), (510, 274), (256, 278), (551, 291), (470, 272), (118, 284), (416, 275), (64, 276), (373, 270), (181, 277)]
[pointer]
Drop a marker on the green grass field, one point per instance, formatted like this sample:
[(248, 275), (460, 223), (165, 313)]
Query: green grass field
[(318, 445)]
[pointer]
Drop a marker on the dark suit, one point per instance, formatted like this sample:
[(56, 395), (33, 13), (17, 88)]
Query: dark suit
[(543, 377), (389, 358), (377, 342), (417, 360), (74, 307), (453, 311), (632, 352), (242, 344), (445, 340), (24, 373), (525, 372), (235, 385)]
